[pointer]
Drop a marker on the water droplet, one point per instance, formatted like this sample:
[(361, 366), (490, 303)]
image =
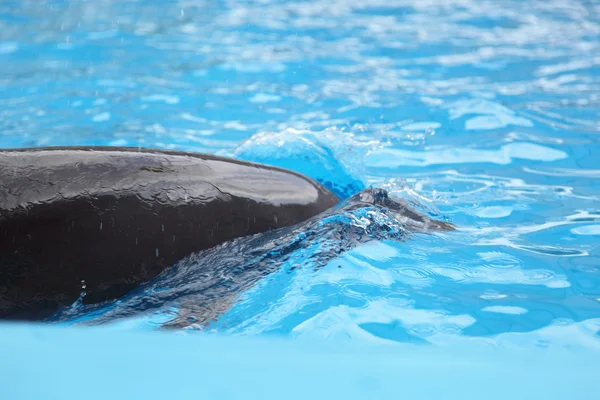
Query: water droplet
[(83, 291)]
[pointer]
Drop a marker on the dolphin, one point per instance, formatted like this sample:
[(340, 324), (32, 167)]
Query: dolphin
[(90, 224), (107, 219)]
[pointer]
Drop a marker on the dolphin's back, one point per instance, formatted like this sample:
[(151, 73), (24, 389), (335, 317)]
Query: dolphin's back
[(114, 218)]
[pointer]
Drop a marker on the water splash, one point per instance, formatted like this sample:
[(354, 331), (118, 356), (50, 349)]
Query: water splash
[(330, 156)]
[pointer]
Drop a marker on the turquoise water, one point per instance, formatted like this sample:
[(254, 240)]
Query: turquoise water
[(484, 113)]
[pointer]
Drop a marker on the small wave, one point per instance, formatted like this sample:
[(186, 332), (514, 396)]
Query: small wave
[(330, 157)]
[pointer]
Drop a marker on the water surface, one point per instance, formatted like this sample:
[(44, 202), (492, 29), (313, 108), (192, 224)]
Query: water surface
[(484, 113)]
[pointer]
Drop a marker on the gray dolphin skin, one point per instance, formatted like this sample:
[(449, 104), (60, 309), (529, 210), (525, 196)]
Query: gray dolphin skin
[(107, 219), (102, 221)]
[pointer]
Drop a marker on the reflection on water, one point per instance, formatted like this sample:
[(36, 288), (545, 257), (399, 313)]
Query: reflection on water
[(483, 112)]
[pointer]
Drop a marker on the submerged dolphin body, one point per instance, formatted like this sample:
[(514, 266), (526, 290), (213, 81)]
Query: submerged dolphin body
[(202, 287), (107, 220)]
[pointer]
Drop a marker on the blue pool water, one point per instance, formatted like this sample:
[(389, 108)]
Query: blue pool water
[(484, 113)]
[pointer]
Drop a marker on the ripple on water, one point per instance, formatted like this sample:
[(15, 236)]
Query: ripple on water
[(512, 310), (503, 276), (493, 212), (101, 117), (167, 99), (414, 276), (416, 322), (8, 47), (395, 158), (587, 230), (492, 295)]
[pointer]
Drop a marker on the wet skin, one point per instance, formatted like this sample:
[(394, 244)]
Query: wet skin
[(116, 217)]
